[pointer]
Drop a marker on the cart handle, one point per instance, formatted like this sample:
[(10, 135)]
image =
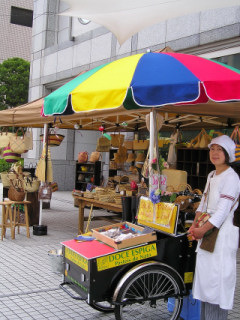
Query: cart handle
[(68, 292)]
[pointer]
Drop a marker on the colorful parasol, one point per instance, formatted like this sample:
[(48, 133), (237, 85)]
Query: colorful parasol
[(144, 81)]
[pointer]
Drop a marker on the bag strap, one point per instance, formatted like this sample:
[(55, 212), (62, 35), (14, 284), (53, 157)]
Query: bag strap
[(238, 134), (207, 191), (236, 200), (18, 130), (235, 136), (4, 130)]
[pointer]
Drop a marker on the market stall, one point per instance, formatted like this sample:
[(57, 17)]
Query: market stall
[(187, 91)]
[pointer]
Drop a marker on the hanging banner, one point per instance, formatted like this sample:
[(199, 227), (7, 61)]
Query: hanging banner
[(157, 181)]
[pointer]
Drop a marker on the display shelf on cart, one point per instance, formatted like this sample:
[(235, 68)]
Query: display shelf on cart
[(197, 164)]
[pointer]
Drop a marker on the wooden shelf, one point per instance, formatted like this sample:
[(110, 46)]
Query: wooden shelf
[(95, 173), (197, 164)]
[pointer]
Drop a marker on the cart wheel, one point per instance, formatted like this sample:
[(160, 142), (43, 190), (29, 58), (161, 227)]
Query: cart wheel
[(103, 306), (150, 293)]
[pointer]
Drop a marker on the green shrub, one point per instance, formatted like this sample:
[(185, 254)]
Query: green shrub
[(5, 166)]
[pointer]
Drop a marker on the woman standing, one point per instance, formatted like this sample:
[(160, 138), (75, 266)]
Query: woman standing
[(215, 273)]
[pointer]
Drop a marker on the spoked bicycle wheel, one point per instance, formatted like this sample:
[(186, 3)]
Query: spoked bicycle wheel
[(152, 293), (103, 306)]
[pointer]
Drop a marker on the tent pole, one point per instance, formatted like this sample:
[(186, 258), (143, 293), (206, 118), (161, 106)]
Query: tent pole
[(44, 141)]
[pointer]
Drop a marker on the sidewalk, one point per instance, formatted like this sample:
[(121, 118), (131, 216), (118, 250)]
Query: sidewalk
[(28, 287)]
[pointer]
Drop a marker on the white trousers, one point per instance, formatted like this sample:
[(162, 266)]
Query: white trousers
[(212, 312)]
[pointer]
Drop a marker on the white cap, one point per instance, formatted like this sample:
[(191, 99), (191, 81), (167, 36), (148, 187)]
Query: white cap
[(227, 143)]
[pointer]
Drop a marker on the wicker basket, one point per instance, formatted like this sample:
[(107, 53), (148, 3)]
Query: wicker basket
[(103, 144), (197, 191), (88, 195), (117, 140), (140, 157), (10, 156), (140, 144), (139, 165), (95, 156), (82, 157), (54, 140), (183, 202), (124, 187), (113, 165), (133, 177), (118, 200), (15, 195), (16, 190), (121, 155), (128, 144), (121, 179), (180, 187), (194, 206), (131, 157), (30, 184), (111, 184), (5, 180), (176, 179)]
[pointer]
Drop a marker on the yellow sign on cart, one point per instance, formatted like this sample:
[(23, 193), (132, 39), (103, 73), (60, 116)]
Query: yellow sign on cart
[(127, 256), (161, 216), (188, 277), (76, 258), (146, 210)]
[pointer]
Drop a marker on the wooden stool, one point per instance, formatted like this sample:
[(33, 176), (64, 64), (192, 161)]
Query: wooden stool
[(16, 216), (12, 219), (7, 219)]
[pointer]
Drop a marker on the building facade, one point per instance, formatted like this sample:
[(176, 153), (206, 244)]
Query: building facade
[(16, 29), (62, 47)]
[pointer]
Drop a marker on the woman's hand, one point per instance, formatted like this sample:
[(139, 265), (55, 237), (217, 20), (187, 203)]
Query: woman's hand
[(194, 224), (197, 233)]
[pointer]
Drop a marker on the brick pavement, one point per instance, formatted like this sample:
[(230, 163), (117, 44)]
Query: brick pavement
[(29, 289)]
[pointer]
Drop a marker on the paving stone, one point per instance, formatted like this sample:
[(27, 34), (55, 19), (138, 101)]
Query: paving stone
[(29, 289)]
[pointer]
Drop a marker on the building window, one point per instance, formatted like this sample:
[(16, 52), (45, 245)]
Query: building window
[(22, 17), (232, 60)]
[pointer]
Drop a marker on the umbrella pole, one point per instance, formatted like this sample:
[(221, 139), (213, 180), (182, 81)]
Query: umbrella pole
[(151, 147), (40, 229)]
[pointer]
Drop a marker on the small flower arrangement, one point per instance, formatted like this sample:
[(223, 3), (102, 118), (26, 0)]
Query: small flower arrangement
[(158, 195), (162, 164), (155, 196)]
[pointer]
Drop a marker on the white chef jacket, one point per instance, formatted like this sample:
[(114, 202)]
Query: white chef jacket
[(215, 273)]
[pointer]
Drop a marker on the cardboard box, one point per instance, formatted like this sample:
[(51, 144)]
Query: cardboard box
[(130, 193), (147, 237)]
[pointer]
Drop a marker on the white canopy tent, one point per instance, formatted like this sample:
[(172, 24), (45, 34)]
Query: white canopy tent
[(125, 18)]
